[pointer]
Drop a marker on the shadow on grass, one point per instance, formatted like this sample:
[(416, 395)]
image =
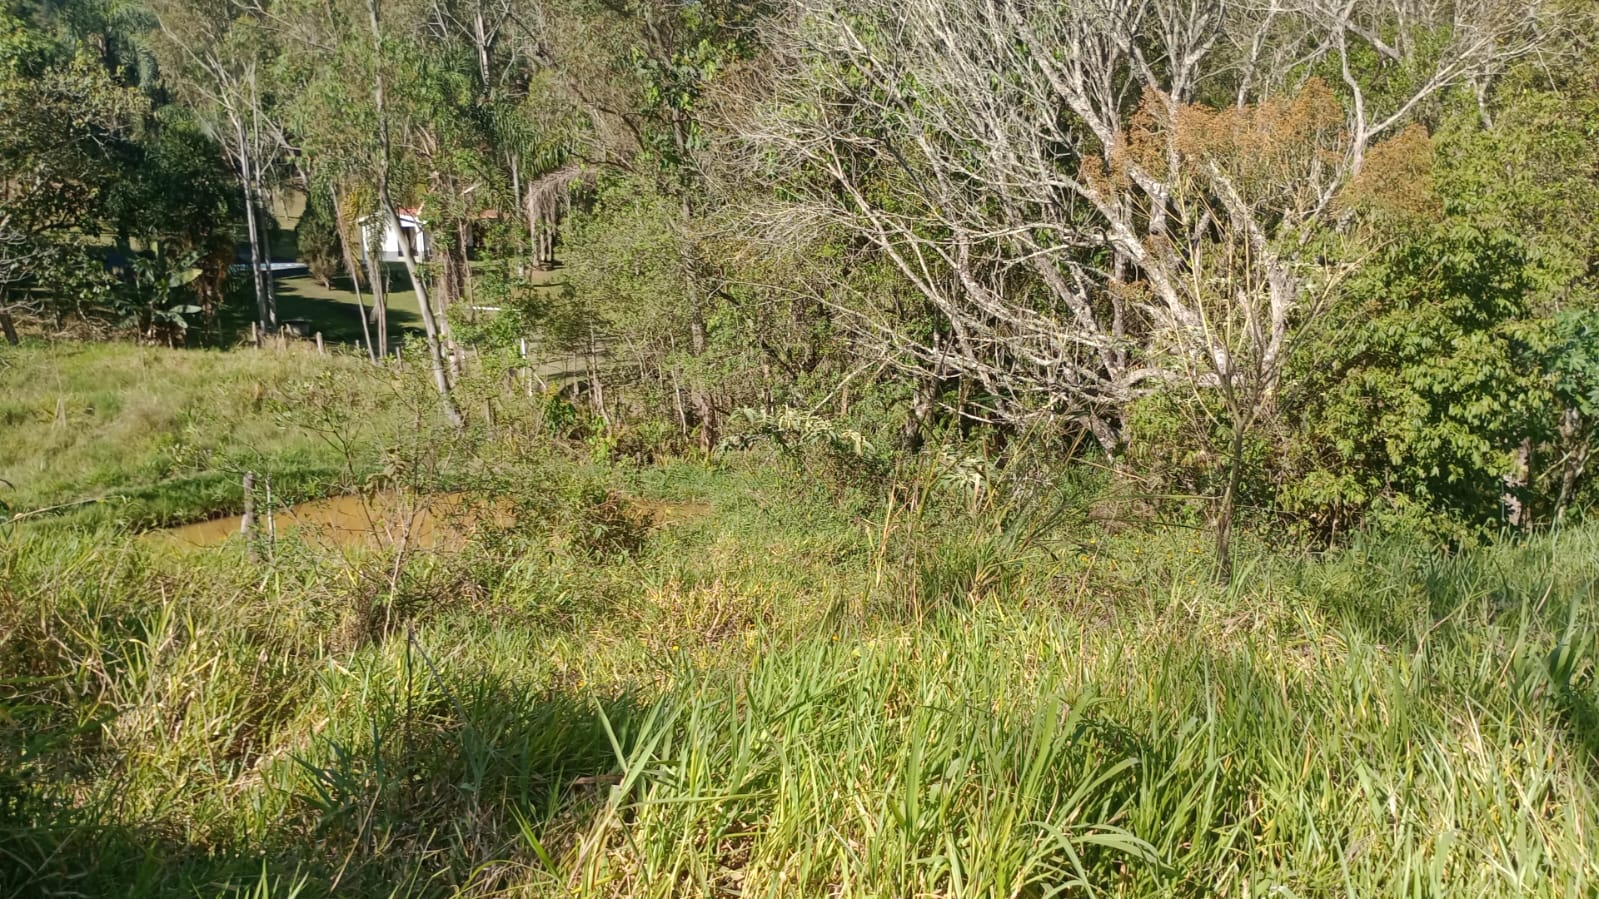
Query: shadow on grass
[(188, 498), (331, 310), (334, 311), (432, 801)]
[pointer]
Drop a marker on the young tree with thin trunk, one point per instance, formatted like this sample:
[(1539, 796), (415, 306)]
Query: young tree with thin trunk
[(345, 233), (391, 220), (215, 53)]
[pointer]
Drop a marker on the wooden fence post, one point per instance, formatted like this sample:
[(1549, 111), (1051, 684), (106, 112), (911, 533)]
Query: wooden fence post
[(247, 520), (272, 528)]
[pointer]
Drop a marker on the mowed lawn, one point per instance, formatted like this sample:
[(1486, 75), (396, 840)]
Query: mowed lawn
[(335, 312)]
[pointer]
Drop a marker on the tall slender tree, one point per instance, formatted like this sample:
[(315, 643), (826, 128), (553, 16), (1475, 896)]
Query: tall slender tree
[(216, 54), (391, 220)]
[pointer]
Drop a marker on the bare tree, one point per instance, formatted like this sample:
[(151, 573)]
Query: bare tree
[(18, 258), (1101, 198)]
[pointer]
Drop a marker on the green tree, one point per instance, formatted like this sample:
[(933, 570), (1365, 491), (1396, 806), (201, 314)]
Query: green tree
[(1458, 389), (217, 56), (67, 125), (178, 199), (317, 237), (1423, 389)]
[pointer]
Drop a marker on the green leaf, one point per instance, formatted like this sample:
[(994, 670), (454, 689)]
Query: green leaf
[(178, 279)]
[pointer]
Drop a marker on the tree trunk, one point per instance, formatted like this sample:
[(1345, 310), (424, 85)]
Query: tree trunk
[(266, 256), (265, 234), (449, 293), (704, 403), (429, 324), (263, 312), (448, 282), (380, 301), (926, 394), (677, 402), (482, 42), (1227, 507), (534, 247), (1576, 459), (465, 289), (9, 328), (596, 390), (355, 272), (515, 165), (1515, 481)]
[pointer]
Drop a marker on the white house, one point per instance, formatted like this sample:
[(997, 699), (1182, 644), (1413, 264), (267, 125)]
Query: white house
[(413, 230), (388, 240)]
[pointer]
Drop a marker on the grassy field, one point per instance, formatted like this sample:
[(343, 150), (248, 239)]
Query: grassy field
[(775, 690), (334, 311), (143, 436)]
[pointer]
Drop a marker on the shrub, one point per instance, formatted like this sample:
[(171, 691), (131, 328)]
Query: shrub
[(600, 521), (318, 239)]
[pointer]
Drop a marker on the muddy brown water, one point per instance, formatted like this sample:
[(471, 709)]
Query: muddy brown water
[(348, 520), (441, 521)]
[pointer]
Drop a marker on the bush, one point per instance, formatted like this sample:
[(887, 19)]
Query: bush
[(835, 454), (599, 521), (317, 236)]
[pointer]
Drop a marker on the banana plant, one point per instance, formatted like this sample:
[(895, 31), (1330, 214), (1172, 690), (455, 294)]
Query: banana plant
[(157, 303)]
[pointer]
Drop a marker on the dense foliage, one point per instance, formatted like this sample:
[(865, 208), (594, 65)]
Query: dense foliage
[(799, 447), (1319, 286), (521, 663)]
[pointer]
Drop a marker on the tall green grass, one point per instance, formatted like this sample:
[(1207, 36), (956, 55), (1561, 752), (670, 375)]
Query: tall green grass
[(919, 691), (722, 716)]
